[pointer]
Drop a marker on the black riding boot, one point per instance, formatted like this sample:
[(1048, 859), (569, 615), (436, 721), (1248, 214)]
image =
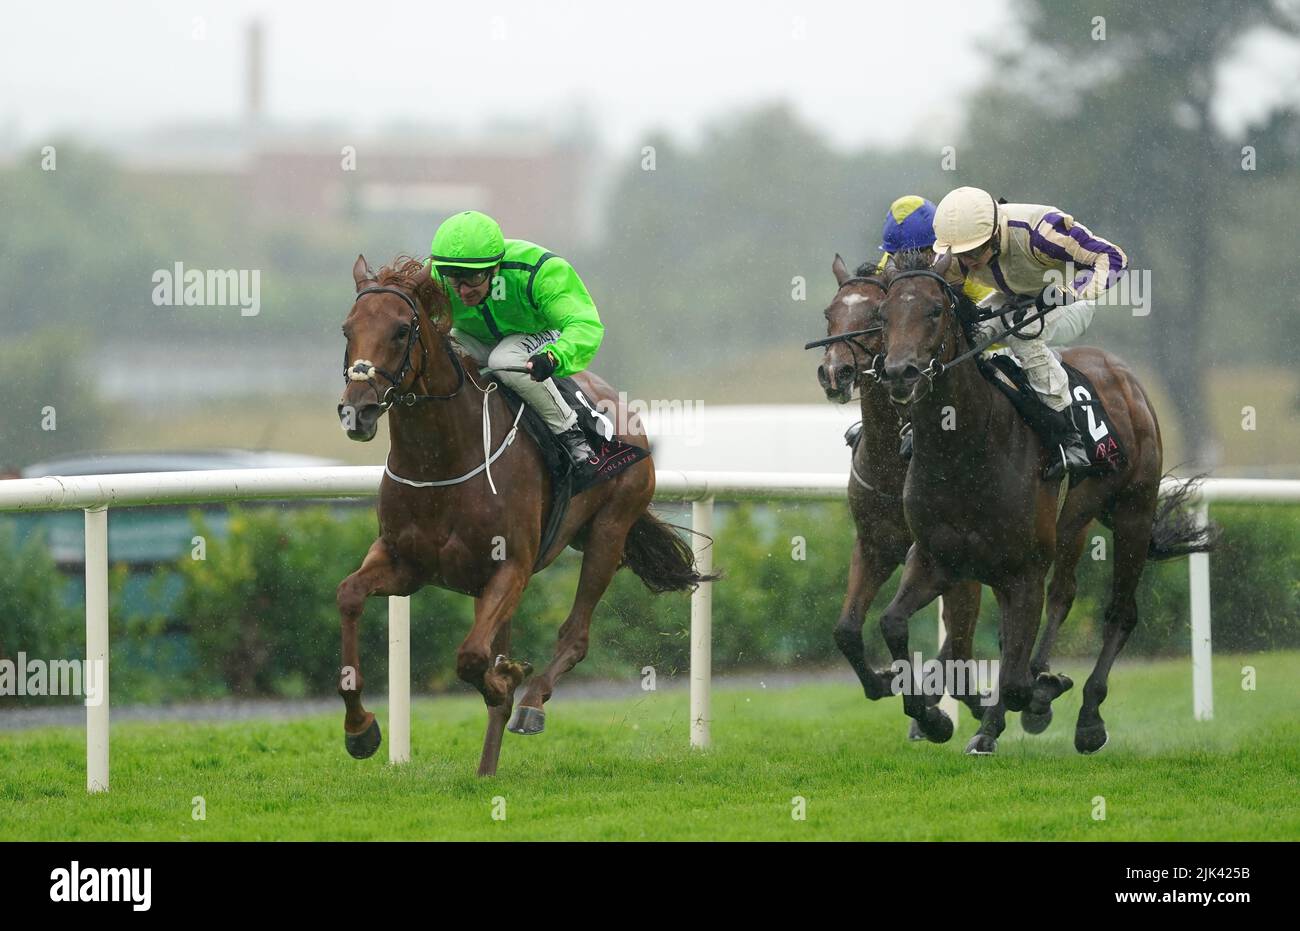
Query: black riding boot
[(1066, 449), (580, 452)]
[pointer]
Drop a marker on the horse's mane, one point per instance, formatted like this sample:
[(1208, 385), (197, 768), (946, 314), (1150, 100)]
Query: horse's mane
[(412, 274), (917, 259)]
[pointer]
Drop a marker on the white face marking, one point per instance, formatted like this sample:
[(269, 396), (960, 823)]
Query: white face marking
[(850, 299)]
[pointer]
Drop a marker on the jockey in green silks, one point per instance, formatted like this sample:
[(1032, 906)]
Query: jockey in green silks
[(513, 304)]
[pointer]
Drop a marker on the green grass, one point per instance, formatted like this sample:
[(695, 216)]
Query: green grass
[(620, 770)]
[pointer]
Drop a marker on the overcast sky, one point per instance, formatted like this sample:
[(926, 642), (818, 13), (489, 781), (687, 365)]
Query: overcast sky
[(861, 72)]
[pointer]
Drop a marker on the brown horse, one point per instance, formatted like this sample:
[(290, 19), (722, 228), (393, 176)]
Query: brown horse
[(979, 509), (876, 476), (455, 531)]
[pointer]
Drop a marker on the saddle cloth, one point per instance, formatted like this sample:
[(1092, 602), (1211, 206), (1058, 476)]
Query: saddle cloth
[(1099, 435), (613, 455)]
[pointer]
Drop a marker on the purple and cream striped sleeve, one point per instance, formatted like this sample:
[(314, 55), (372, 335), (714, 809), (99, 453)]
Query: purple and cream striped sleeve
[(1100, 263)]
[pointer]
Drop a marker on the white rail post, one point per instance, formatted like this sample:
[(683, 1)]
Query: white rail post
[(1198, 571), (97, 648), (399, 679), (947, 704), (701, 623)]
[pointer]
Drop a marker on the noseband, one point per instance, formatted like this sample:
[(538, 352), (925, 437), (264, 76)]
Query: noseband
[(365, 370)]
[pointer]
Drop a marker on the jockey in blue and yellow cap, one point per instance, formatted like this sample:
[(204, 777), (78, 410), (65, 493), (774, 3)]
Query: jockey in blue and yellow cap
[(909, 225)]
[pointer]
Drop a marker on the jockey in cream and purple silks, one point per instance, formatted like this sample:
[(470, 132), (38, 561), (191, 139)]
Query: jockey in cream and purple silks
[(516, 305), (1032, 250)]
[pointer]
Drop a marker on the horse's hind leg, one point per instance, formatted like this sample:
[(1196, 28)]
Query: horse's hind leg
[(1132, 537), (868, 570), (602, 554), (1071, 532), (378, 575)]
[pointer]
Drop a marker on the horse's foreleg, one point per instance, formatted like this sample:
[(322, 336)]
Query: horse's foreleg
[(601, 556), (922, 582), (1021, 604), (497, 714), (378, 575), (868, 570), (1022, 609), (961, 611), (495, 675)]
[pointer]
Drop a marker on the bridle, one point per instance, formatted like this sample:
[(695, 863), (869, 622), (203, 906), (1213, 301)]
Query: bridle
[(851, 337), (938, 365), (365, 370)]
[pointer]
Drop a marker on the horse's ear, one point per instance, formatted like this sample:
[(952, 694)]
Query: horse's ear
[(362, 273), (942, 263), (840, 269)]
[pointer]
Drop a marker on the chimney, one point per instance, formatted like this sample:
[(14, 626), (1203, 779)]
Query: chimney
[(254, 77)]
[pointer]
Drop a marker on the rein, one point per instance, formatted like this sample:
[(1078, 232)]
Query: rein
[(937, 366), (365, 370)]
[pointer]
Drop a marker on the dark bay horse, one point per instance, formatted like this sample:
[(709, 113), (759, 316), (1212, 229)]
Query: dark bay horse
[(876, 494), (979, 509), (460, 535)]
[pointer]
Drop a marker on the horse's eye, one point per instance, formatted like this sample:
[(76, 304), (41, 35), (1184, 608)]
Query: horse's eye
[(935, 312), (403, 331)]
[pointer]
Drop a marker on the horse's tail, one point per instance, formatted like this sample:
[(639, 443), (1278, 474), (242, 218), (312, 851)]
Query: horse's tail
[(1176, 531), (661, 558)]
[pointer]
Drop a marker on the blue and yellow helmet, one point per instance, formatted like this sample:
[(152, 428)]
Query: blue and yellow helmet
[(908, 225)]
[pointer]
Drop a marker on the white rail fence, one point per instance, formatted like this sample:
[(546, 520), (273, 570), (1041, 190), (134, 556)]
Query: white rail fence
[(95, 494)]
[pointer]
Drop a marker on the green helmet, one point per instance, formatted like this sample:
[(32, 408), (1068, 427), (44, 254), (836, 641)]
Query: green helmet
[(468, 240)]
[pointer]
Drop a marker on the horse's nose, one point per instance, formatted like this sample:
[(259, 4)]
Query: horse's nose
[(359, 420), (901, 371)]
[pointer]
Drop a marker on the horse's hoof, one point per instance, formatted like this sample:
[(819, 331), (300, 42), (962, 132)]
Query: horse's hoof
[(982, 745), (527, 720), (1090, 739), (877, 685), (938, 726), (1035, 723), (1017, 697), (362, 746), (914, 732)]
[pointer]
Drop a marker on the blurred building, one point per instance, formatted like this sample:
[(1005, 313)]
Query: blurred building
[(539, 181)]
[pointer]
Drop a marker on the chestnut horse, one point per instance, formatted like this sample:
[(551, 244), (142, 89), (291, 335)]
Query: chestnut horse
[(876, 476), (980, 510), (442, 521)]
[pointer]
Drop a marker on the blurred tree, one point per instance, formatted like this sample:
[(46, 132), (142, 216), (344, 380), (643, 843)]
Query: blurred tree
[(1106, 111), (702, 252)]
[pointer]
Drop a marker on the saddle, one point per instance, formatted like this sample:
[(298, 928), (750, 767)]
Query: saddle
[(1099, 433), (613, 455)]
